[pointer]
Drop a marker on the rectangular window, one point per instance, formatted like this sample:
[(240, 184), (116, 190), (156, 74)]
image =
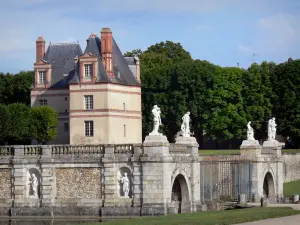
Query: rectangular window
[(66, 98), (89, 128), (66, 127), (124, 130), (124, 107), (88, 70), (88, 102), (42, 77), (43, 102)]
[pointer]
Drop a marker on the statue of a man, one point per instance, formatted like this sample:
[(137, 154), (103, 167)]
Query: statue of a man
[(272, 127), (156, 120), (185, 126), (250, 132), (126, 183)]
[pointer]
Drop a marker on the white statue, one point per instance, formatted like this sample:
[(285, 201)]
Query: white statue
[(250, 132), (156, 120), (34, 186), (272, 129), (185, 126), (126, 184)]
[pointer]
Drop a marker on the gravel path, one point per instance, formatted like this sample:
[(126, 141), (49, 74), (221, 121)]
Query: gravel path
[(289, 220)]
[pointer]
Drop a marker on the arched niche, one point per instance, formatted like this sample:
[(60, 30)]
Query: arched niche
[(124, 177), (33, 183)]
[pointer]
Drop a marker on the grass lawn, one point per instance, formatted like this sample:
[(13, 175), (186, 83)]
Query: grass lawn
[(237, 152), (209, 218), (290, 151), (220, 152), (291, 188)]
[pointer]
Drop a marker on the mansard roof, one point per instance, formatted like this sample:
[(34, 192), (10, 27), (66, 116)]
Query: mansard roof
[(61, 57), (123, 74)]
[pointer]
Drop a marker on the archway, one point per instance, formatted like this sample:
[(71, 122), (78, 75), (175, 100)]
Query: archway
[(180, 194), (268, 185)]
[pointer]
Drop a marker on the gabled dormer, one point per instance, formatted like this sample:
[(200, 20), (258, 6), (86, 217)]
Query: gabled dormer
[(88, 66)]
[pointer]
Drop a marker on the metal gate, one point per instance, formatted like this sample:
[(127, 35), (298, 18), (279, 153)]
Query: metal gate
[(225, 178)]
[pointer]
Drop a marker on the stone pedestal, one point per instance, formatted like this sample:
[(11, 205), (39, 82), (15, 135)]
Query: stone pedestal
[(156, 144), (250, 148), (190, 143), (156, 183), (272, 147)]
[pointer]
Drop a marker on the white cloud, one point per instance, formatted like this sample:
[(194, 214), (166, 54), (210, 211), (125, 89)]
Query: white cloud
[(276, 36)]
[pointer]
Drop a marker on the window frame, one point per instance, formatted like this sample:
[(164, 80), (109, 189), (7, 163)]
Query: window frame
[(42, 74), (88, 102), (89, 128), (88, 70), (43, 102), (66, 125)]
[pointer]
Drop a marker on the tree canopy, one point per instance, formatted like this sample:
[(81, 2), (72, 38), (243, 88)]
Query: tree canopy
[(43, 123), (221, 99)]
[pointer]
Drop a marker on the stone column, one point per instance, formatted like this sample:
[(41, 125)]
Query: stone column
[(110, 181), (156, 184), (19, 176), (137, 177), (47, 177)]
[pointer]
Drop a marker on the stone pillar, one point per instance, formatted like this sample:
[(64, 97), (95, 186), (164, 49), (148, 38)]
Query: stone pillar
[(137, 177), (250, 148), (19, 174), (47, 177), (156, 184), (190, 145), (110, 181)]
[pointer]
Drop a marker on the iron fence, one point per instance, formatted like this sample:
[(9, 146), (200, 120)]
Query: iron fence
[(225, 178)]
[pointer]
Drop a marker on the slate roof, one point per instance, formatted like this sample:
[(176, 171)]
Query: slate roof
[(61, 56)]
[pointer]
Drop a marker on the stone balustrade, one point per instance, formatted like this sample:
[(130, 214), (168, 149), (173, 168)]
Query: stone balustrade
[(60, 150)]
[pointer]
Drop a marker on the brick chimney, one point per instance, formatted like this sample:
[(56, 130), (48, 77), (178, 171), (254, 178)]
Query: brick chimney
[(106, 50), (40, 48)]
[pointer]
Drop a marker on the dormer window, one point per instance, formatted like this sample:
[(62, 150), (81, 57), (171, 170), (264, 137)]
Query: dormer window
[(42, 77), (88, 70)]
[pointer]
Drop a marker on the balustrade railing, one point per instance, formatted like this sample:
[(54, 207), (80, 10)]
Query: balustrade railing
[(32, 150), (77, 149), (6, 150), (123, 149)]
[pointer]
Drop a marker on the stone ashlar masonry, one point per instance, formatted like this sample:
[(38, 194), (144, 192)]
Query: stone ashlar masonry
[(84, 180)]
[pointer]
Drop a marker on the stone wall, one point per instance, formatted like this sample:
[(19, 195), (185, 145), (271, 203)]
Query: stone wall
[(78, 183), (5, 183), (291, 167)]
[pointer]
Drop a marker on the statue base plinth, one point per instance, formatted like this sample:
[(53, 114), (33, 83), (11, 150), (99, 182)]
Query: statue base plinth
[(156, 145), (272, 143), (190, 141), (153, 133), (251, 148), (272, 147)]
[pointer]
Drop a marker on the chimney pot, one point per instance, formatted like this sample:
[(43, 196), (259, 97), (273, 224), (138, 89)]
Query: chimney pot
[(107, 51), (40, 48)]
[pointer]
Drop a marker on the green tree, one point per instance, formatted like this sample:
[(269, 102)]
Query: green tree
[(158, 88), (4, 118), (224, 115), (135, 52), (257, 94), (18, 123), (43, 123), (286, 101)]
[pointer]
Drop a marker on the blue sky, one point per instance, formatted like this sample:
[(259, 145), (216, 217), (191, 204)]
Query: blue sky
[(223, 32)]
